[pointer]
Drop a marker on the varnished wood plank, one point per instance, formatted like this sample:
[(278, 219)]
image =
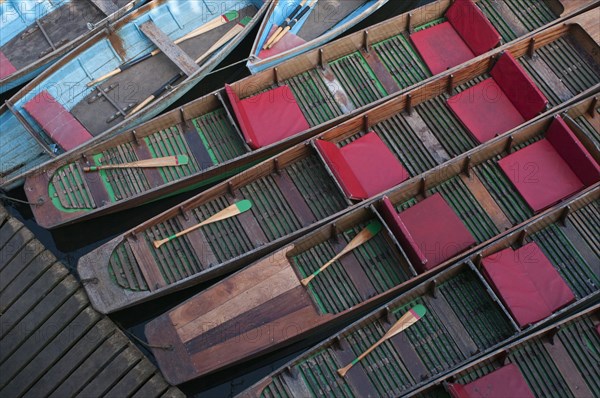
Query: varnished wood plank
[(294, 198), (579, 243), (296, 385), (70, 361), (550, 78), (18, 309), (146, 262), (383, 75), (487, 202), (509, 18), (215, 331), (54, 348), (250, 225), (96, 188), (169, 48), (12, 238), (89, 368), (194, 142), (151, 173), (428, 139), (219, 294), (199, 243), (568, 369), (281, 282)]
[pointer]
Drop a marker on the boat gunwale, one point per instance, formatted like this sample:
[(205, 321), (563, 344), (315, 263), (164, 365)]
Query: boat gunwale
[(348, 125), (410, 187), (267, 78), (468, 261)]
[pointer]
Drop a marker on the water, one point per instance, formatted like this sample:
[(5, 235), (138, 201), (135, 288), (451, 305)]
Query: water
[(70, 243)]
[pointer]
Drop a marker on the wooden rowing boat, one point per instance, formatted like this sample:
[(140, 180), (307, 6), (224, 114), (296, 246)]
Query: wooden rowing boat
[(37, 34), (559, 360), (474, 197), (61, 109), (312, 27), (569, 350), (329, 82), (205, 129), (291, 194)]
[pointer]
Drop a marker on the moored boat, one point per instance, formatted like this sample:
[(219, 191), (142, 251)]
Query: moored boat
[(568, 367), (292, 27), (224, 133), (37, 33), (125, 74), (290, 194), (470, 310), (419, 229)]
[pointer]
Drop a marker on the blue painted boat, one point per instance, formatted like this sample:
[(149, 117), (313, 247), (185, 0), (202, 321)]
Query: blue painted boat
[(314, 23), (36, 33), (68, 105)]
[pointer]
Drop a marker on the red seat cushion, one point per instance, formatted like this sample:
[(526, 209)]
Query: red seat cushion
[(518, 87), (508, 381), (573, 152), (268, 117), (527, 283), (6, 67), (485, 111), (541, 175), (473, 26), (441, 47), (436, 230), (288, 42), (57, 121), (365, 167)]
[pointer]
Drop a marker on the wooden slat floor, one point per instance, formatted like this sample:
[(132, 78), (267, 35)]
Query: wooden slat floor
[(52, 342)]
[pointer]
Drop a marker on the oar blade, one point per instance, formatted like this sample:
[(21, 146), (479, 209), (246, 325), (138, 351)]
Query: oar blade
[(407, 320)]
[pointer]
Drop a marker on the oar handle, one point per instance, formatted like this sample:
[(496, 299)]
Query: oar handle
[(159, 243), (156, 94), (342, 372), (309, 278)]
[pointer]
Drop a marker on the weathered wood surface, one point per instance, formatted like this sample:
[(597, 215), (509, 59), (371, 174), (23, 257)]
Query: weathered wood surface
[(52, 342)]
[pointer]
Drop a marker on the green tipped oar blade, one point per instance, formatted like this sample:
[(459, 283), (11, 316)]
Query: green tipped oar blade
[(182, 160), (407, 320), (231, 211), (231, 15), (362, 237)]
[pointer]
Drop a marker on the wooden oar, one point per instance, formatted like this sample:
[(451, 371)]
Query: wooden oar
[(228, 36), (407, 320), (169, 161), (231, 211), (285, 23), (293, 23), (362, 237), (233, 32), (156, 94), (210, 25)]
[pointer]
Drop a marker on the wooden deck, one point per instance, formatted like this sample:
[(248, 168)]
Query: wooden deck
[(52, 342)]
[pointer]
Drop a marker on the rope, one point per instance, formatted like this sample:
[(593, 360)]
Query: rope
[(229, 66), (5, 197), (142, 342)]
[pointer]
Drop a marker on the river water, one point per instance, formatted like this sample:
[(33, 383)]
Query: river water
[(70, 243)]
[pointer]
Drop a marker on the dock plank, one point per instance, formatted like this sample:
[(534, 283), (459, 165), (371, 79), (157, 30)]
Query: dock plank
[(52, 342)]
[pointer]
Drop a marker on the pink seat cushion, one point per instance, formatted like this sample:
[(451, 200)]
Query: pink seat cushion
[(365, 167), (57, 121), (288, 42), (268, 117), (527, 283), (541, 175), (518, 87), (437, 231), (485, 111), (441, 47), (573, 152), (6, 67), (473, 26), (508, 381)]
